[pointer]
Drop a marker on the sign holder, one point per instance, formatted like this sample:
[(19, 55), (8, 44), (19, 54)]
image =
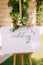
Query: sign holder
[(21, 60), (14, 62)]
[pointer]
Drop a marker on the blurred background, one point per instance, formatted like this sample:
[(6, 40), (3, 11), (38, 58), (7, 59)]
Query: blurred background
[(33, 12)]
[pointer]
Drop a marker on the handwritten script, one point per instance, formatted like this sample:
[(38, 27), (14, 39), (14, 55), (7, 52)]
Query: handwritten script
[(24, 34)]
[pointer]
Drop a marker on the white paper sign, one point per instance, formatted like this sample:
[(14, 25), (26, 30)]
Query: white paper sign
[(23, 40)]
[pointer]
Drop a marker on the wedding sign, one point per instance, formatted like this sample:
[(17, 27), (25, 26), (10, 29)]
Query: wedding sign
[(22, 40)]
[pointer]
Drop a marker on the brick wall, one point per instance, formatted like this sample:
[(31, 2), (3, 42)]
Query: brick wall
[(5, 18), (32, 11)]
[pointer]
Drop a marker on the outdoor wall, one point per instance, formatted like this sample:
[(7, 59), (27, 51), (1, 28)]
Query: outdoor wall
[(32, 11), (5, 18)]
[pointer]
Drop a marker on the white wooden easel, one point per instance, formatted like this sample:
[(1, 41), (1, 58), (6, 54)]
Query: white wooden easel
[(21, 59)]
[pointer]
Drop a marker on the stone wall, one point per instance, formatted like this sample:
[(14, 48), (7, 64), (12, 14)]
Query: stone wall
[(5, 18)]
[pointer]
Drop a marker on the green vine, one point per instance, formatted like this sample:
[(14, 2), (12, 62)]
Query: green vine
[(15, 12), (39, 12)]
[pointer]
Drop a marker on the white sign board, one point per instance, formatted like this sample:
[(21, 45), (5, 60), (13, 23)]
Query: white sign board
[(23, 40)]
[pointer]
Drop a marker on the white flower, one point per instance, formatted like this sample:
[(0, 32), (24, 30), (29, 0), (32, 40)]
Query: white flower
[(19, 23)]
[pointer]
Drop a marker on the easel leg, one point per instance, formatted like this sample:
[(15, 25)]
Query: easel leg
[(30, 60), (21, 60), (14, 62)]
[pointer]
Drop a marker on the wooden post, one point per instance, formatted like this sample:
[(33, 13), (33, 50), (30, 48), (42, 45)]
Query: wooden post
[(20, 9), (14, 62), (22, 59), (30, 60)]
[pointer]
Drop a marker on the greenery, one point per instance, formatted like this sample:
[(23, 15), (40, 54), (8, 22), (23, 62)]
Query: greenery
[(25, 4), (39, 12), (15, 12), (9, 61)]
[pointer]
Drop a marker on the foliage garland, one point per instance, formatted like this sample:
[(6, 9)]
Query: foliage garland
[(15, 12), (25, 3), (39, 11)]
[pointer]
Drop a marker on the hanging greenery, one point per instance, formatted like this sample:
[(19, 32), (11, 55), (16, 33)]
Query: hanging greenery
[(39, 12), (15, 12)]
